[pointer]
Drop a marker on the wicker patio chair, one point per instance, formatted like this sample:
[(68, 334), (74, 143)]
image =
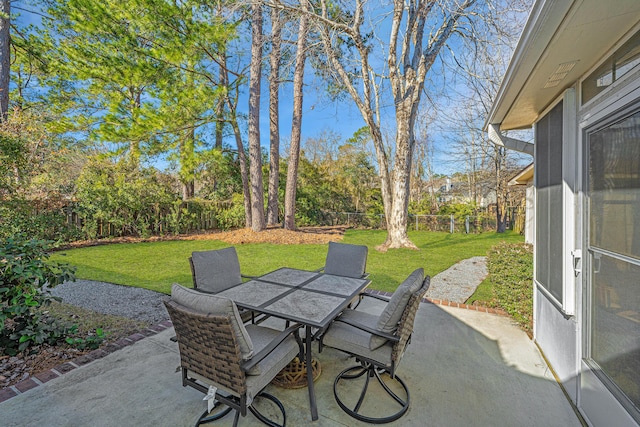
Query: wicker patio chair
[(378, 344), (221, 357), (346, 260), (217, 270)]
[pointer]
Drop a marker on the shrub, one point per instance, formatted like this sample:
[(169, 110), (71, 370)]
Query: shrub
[(123, 196), (25, 276), (510, 268), (40, 220), (232, 216)]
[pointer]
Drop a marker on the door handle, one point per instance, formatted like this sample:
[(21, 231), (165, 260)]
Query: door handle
[(576, 254)]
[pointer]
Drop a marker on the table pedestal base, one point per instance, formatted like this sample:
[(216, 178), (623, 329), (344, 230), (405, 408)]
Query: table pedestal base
[(294, 375)]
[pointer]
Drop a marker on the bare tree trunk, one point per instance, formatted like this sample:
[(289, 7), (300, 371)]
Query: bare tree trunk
[(244, 173), (219, 112), (274, 116), (255, 152), (187, 153), (134, 145), (5, 58), (296, 124), (232, 103), (401, 179)]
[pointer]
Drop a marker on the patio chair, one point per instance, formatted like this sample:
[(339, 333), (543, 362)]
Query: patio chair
[(378, 344), (222, 358), (217, 270), (346, 260)]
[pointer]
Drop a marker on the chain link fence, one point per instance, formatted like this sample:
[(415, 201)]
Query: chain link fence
[(446, 223)]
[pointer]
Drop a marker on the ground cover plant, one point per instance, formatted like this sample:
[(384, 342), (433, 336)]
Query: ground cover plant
[(25, 273), (510, 282), (156, 265)]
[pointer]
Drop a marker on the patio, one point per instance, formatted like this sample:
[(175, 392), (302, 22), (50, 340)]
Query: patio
[(463, 368)]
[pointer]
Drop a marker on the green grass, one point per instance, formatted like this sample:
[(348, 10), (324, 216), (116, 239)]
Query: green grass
[(156, 265), (483, 293)]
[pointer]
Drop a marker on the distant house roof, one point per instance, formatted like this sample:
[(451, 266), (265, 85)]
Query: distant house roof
[(560, 43), (523, 177)]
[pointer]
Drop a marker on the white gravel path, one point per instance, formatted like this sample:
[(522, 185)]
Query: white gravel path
[(460, 281)]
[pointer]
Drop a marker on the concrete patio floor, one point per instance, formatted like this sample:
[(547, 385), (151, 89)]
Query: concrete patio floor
[(463, 368)]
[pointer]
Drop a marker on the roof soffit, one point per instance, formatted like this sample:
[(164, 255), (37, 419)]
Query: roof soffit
[(557, 33)]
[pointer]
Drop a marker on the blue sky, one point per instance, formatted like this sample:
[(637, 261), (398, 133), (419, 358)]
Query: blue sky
[(319, 114)]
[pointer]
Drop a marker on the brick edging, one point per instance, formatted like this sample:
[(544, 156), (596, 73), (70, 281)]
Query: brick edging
[(55, 372)]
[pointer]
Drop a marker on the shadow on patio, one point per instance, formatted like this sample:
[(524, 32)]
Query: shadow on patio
[(462, 368)]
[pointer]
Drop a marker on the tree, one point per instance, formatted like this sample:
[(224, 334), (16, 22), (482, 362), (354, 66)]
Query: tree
[(255, 152), (275, 58), (296, 123), (232, 95), (5, 57), (410, 55), (487, 165)]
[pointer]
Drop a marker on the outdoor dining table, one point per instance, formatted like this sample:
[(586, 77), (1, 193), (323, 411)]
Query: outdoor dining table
[(310, 298)]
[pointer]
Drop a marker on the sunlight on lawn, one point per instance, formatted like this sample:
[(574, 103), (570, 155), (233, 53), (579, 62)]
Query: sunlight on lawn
[(156, 265)]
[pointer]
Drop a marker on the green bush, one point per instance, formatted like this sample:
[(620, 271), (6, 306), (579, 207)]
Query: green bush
[(46, 221), (123, 196), (25, 276), (510, 268), (233, 215)]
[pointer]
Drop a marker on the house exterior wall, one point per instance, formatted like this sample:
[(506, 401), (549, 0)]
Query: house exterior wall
[(556, 335), (561, 331)]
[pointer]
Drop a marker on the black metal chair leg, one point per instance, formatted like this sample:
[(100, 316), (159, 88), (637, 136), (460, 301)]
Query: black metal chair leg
[(371, 372), (264, 419), (207, 419)]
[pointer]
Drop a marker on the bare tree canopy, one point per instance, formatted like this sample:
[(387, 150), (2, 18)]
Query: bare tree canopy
[(351, 36)]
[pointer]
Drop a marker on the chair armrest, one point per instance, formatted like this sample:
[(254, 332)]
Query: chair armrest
[(293, 329), (378, 297), (372, 331)]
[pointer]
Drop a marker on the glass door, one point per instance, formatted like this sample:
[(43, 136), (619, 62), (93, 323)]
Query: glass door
[(612, 349)]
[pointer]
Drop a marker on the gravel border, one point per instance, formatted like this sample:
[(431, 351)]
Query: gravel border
[(108, 298)]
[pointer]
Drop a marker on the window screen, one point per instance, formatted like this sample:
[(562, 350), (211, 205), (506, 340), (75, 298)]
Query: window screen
[(549, 214)]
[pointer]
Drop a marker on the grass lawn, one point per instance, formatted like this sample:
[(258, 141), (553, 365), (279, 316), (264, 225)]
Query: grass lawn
[(156, 265)]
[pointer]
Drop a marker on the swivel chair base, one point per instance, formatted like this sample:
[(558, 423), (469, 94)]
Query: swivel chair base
[(371, 371), (206, 418)]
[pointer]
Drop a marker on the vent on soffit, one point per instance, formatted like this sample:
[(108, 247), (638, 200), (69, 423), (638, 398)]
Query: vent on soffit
[(559, 74)]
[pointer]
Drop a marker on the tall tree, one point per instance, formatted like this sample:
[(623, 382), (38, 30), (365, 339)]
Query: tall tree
[(255, 152), (411, 52), (275, 58), (488, 166), (232, 96), (5, 57), (296, 123)]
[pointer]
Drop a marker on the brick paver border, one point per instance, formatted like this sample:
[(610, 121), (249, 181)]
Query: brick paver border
[(49, 374)]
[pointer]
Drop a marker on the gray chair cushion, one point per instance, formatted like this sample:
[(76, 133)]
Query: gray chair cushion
[(390, 316), (346, 260), (356, 341), (217, 305), (261, 336), (216, 270)]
